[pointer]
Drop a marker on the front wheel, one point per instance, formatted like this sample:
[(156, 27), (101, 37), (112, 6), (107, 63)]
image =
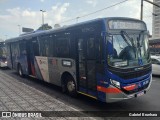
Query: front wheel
[(71, 87)]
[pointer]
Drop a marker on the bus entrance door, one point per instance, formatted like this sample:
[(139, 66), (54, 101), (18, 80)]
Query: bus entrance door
[(33, 50), (87, 65)]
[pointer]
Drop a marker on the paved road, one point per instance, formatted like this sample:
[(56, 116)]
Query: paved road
[(17, 96), (43, 96)]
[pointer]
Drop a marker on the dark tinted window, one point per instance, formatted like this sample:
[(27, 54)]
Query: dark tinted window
[(35, 46), (51, 47), (44, 46), (22, 48), (91, 48), (15, 49), (62, 47)]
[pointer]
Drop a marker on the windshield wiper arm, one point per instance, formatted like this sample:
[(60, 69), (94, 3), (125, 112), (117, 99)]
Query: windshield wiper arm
[(126, 34), (123, 33)]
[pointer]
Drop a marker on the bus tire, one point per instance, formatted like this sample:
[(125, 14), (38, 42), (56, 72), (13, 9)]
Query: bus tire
[(71, 87), (20, 72)]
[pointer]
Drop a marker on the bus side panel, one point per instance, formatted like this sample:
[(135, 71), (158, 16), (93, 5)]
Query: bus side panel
[(57, 66), (51, 69), (41, 68), (54, 72)]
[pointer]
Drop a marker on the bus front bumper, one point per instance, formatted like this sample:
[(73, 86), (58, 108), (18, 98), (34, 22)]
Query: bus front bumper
[(118, 96), (115, 94)]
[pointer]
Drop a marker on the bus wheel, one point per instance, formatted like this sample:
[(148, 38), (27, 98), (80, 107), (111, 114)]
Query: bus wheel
[(20, 72), (71, 87)]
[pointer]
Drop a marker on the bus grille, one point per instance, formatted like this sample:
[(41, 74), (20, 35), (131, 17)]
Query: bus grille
[(130, 73), (135, 74)]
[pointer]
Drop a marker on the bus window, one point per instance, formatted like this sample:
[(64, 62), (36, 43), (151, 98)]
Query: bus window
[(15, 53), (44, 46), (90, 48), (22, 48), (62, 47), (51, 45), (81, 50)]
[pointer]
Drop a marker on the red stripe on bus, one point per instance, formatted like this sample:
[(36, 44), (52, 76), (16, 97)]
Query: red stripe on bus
[(32, 69), (108, 90)]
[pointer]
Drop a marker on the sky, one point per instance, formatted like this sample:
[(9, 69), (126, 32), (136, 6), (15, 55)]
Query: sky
[(15, 14)]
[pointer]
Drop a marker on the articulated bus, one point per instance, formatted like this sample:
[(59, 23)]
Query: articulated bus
[(107, 59), (3, 61)]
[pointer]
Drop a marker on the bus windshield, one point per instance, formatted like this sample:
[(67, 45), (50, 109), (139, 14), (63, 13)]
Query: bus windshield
[(129, 50)]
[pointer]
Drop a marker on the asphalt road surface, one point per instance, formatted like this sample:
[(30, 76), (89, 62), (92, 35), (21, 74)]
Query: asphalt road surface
[(147, 102)]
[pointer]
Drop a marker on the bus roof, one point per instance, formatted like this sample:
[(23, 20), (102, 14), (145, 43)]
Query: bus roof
[(43, 32)]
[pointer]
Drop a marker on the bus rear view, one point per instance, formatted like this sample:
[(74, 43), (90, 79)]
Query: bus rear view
[(127, 59)]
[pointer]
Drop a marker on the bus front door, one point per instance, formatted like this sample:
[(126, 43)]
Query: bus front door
[(87, 65), (32, 50)]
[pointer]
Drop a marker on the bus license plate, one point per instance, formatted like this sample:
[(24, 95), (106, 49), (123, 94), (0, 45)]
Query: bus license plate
[(140, 94)]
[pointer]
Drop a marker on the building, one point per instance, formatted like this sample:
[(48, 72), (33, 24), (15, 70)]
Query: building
[(156, 20), (154, 45), (1, 40)]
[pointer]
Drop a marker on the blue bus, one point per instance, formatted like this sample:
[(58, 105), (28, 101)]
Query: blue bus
[(3, 61), (106, 59)]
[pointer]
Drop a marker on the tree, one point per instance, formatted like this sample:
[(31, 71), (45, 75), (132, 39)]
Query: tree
[(45, 27)]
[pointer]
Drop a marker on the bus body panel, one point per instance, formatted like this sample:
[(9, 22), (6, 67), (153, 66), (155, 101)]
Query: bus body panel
[(51, 69)]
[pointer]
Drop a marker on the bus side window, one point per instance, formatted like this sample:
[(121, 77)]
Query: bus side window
[(81, 50), (91, 48), (36, 48), (15, 49), (62, 47), (44, 46), (22, 48), (51, 46)]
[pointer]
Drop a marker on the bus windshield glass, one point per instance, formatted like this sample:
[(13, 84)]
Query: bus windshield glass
[(129, 50)]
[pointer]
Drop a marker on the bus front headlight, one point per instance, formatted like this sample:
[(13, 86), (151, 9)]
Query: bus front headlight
[(115, 83)]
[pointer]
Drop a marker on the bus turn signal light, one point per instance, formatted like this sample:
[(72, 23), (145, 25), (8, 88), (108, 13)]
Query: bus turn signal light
[(130, 87)]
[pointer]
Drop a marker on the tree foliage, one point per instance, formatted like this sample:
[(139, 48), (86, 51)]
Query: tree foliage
[(45, 27)]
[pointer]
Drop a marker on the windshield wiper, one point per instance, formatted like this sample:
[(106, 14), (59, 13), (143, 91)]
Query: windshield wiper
[(123, 34), (139, 43)]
